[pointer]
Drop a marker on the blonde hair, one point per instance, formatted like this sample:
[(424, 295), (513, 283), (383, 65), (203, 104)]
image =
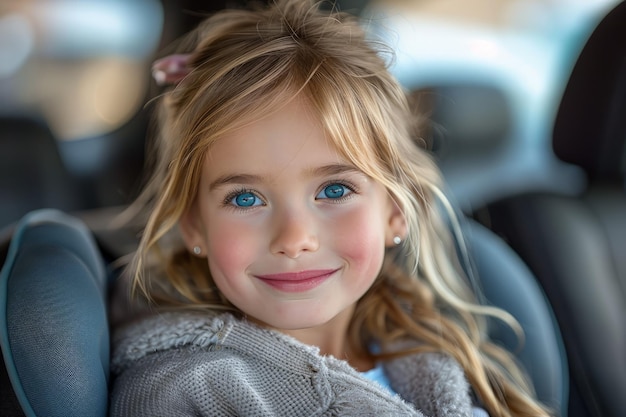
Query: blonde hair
[(246, 62)]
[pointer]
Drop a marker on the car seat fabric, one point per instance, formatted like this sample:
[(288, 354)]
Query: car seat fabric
[(53, 321), (567, 247), (506, 282)]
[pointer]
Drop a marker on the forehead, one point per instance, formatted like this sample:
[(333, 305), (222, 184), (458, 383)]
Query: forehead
[(287, 137)]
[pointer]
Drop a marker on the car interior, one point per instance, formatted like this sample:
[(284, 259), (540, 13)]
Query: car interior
[(574, 243), (551, 256)]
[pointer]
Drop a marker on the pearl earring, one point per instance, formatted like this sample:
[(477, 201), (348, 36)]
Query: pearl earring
[(197, 250), (397, 240)]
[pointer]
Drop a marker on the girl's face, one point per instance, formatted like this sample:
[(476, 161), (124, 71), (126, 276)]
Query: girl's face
[(293, 234)]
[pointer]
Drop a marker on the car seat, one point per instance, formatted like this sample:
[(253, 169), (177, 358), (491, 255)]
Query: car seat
[(506, 282), (55, 335), (53, 320), (575, 245)]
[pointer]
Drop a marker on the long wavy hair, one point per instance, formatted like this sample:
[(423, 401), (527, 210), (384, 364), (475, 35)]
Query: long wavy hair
[(244, 63)]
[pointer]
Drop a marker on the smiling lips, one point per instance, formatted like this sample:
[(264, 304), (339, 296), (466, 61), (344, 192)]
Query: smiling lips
[(297, 281)]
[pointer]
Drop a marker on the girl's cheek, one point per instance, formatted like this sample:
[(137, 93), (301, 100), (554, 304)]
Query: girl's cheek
[(360, 237), (232, 246)]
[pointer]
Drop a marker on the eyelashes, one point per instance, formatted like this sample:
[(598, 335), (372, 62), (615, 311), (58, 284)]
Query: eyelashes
[(243, 198), (334, 191)]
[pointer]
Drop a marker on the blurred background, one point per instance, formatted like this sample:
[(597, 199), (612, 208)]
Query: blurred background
[(492, 73), (74, 79)]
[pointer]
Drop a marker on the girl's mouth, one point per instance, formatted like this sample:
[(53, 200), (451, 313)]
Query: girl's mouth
[(297, 281)]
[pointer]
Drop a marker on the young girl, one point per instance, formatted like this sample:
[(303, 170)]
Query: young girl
[(294, 250)]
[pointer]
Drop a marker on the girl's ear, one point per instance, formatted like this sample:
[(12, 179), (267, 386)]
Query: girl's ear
[(191, 231), (396, 225)]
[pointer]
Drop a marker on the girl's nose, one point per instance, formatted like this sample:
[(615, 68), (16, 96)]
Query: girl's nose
[(294, 234)]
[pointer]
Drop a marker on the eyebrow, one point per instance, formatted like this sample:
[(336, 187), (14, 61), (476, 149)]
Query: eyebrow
[(235, 179), (332, 169), (322, 171)]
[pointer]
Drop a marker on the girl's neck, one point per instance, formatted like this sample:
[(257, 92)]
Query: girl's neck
[(332, 340)]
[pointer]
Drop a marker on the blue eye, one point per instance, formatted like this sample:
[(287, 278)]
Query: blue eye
[(333, 191), (246, 199)]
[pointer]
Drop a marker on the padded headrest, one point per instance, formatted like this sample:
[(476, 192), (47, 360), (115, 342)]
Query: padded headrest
[(508, 283), (590, 127), (53, 320)]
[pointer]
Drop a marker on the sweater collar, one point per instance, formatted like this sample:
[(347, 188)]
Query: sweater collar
[(171, 330)]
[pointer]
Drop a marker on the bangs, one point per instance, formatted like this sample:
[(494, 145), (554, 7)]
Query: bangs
[(362, 123)]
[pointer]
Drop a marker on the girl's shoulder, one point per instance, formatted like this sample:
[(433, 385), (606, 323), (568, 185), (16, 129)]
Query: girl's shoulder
[(209, 332), (434, 381), (163, 331)]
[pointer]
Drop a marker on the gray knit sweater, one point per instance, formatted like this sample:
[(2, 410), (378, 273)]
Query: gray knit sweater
[(183, 364)]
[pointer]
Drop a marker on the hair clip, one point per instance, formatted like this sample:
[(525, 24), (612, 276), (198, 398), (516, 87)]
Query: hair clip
[(171, 69)]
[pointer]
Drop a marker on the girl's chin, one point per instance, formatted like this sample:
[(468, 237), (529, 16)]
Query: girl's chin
[(308, 327)]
